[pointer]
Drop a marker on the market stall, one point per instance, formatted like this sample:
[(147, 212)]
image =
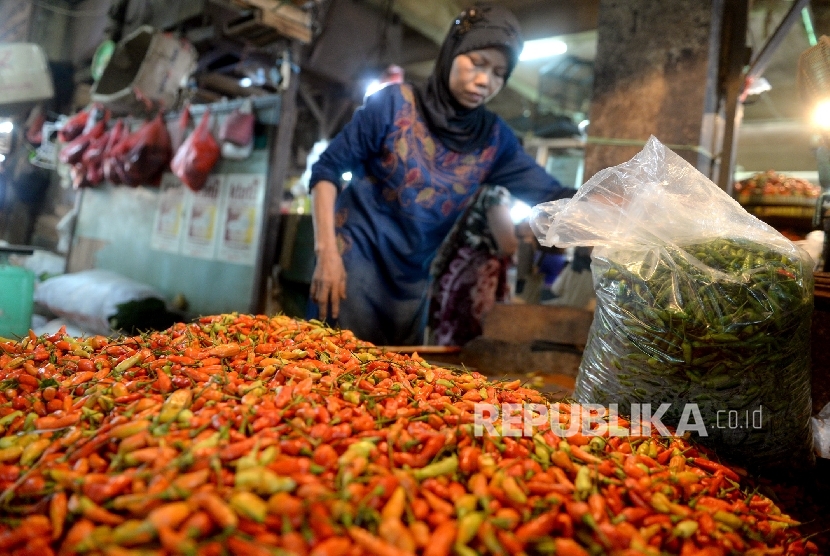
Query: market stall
[(688, 433), (786, 202), (170, 236)]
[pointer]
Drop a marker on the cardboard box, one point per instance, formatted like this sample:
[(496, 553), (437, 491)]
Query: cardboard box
[(146, 63), (24, 74)]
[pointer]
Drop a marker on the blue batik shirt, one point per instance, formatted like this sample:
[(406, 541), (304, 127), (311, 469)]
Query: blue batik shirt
[(406, 192)]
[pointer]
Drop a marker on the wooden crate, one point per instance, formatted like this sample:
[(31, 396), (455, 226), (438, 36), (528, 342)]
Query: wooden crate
[(522, 339), (271, 19), (252, 29)]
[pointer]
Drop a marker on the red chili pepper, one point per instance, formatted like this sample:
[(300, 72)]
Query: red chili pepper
[(713, 466)]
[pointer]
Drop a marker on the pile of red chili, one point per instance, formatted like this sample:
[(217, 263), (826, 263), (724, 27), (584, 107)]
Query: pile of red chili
[(254, 435)]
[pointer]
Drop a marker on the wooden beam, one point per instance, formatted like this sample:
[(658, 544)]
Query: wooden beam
[(289, 20), (552, 19), (761, 59), (227, 85), (733, 53), (278, 163)]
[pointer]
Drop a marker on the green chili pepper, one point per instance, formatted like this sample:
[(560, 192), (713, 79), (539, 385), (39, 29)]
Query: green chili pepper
[(724, 323), (446, 466)]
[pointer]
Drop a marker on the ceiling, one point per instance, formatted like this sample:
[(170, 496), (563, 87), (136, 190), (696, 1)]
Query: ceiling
[(772, 131)]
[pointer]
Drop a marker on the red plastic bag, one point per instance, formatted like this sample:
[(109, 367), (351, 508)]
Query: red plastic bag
[(180, 131), (116, 135), (83, 122), (73, 127), (73, 152), (34, 126), (142, 156), (92, 160), (197, 155)]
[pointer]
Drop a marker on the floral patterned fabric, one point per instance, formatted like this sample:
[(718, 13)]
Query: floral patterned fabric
[(406, 192), (469, 277)]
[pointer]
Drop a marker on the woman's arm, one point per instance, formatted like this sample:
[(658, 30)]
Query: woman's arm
[(518, 172), (328, 283), (359, 140), (503, 230)]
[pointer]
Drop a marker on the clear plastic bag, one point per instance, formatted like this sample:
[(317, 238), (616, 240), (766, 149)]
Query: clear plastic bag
[(821, 432), (698, 302)]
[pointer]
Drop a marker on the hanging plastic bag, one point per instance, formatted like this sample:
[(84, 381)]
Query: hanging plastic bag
[(236, 134), (93, 159), (82, 122), (34, 125), (116, 135), (142, 157), (700, 305), (179, 133), (197, 156), (73, 152), (73, 127)]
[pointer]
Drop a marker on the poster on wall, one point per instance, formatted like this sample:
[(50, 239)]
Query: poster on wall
[(241, 218), (168, 224), (202, 220)]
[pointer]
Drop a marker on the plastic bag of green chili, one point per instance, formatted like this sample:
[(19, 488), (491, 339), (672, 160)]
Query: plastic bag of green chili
[(700, 306)]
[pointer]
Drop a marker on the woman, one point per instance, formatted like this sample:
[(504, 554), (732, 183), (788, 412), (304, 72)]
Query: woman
[(470, 270), (417, 156)]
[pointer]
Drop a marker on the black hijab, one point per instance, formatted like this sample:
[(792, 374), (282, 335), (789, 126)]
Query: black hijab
[(482, 26)]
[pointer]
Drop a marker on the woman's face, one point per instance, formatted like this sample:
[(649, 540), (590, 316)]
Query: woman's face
[(476, 76)]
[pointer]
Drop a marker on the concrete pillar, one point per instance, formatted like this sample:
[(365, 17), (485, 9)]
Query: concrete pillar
[(656, 73)]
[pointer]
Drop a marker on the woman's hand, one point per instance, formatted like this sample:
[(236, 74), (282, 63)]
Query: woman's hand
[(328, 283)]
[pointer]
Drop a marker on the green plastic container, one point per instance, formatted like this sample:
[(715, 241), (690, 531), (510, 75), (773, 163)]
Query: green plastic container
[(17, 286)]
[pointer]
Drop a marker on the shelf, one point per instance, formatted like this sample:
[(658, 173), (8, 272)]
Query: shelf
[(776, 201)]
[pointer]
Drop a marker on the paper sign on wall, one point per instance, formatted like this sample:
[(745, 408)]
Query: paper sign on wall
[(241, 218), (202, 220), (221, 221), (168, 225)]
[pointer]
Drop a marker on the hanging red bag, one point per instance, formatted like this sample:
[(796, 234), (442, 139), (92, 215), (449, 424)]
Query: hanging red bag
[(73, 152), (197, 156), (179, 132), (93, 159), (83, 122), (108, 162), (145, 154), (73, 127)]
